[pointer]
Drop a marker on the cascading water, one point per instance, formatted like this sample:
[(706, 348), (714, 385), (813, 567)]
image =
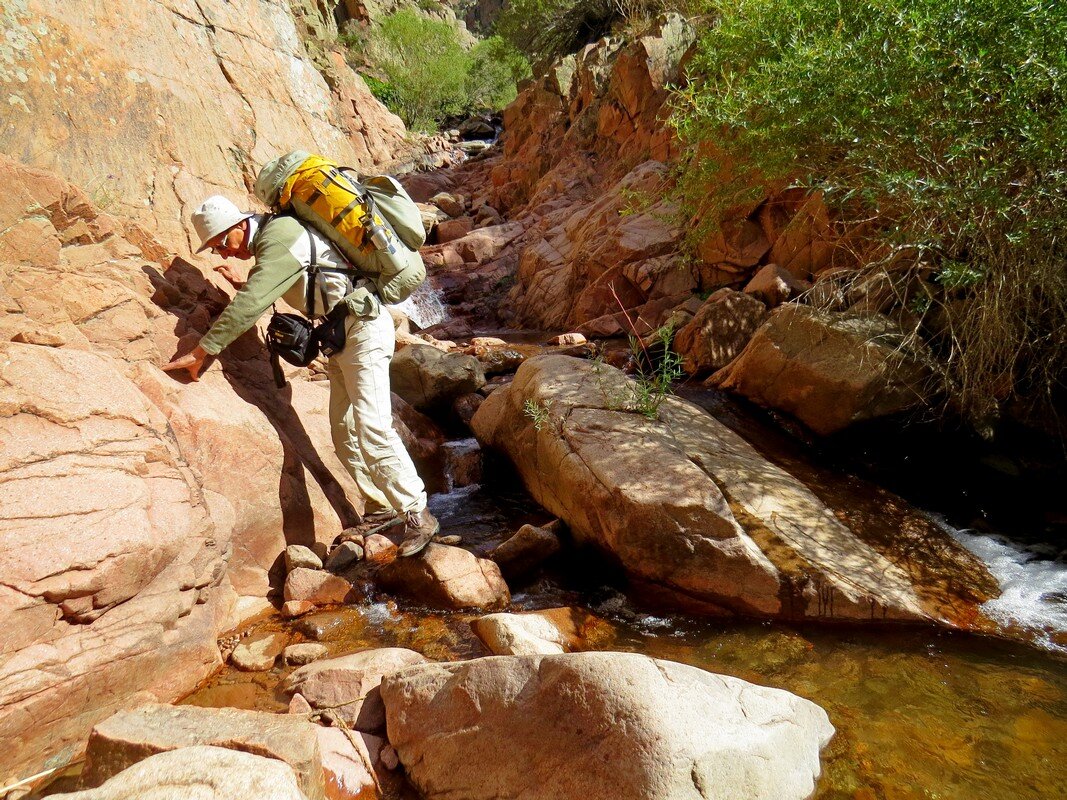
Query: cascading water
[(1033, 584), (424, 307)]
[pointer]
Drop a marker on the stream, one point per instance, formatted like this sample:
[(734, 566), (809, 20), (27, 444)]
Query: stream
[(919, 712)]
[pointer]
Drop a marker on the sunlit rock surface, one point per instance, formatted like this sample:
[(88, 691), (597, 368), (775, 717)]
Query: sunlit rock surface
[(702, 520), (586, 726)]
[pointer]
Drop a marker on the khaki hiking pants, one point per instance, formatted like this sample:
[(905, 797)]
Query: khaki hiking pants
[(361, 418)]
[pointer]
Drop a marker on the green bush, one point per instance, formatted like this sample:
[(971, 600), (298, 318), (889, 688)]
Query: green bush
[(496, 68), (429, 75), (425, 67), (943, 120)]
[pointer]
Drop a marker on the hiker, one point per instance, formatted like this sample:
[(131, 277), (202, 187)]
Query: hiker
[(360, 405)]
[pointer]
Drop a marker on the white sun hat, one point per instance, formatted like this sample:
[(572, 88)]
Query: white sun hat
[(214, 216)]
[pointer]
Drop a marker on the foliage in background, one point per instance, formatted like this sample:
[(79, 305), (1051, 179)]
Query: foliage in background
[(429, 75), (495, 70), (425, 67), (544, 30), (943, 120)]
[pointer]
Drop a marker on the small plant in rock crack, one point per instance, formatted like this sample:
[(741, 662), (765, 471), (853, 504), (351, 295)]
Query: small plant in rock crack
[(658, 367), (537, 412), (656, 374)]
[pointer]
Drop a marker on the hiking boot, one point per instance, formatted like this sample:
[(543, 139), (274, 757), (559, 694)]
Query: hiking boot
[(420, 528)]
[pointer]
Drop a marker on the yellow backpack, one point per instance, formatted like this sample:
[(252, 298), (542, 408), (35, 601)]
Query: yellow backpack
[(375, 224)]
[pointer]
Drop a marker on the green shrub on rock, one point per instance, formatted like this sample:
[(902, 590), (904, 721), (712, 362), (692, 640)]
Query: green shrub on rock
[(944, 122)]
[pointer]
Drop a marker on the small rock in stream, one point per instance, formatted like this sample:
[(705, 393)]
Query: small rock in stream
[(297, 556), (451, 539), (315, 586), (389, 759), (378, 549), (343, 555), (530, 547), (305, 653), (258, 653)]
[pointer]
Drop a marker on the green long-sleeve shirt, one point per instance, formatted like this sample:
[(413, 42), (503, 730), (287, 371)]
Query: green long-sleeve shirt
[(275, 271)]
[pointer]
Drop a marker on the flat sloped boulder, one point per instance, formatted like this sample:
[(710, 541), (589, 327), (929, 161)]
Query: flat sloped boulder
[(204, 772), (698, 518), (129, 737), (599, 726)]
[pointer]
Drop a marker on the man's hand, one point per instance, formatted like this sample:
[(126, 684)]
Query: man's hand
[(228, 272), (194, 362)]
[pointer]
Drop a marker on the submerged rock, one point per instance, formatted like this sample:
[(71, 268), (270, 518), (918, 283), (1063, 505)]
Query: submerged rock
[(128, 737), (349, 685), (699, 519), (447, 577), (592, 726), (300, 654), (203, 772), (828, 370)]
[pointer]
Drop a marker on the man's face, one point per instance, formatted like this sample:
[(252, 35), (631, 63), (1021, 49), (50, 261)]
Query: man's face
[(232, 243)]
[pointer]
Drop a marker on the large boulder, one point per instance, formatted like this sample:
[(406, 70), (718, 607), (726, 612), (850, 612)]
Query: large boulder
[(828, 370), (586, 726), (348, 685), (699, 518), (719, 331), (428, 378), (447, 577), (128, 737), (203, 772)]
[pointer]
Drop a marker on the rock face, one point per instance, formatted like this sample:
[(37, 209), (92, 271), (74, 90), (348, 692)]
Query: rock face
[(828, 370), (349, 685), (137, 506), (113, 565), (715, 527), (447, 577), (586, 726), (719, 331), (427, 377), (154, 107), (131, 736), (207, 773)]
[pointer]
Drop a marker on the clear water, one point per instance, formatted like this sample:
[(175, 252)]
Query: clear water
[(919, 713)]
